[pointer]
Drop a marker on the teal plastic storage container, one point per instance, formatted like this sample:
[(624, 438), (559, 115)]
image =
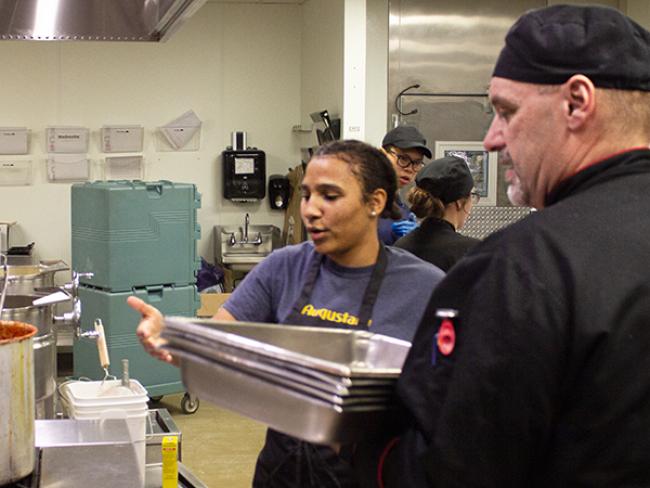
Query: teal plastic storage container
[(135, 233), (120, 322)]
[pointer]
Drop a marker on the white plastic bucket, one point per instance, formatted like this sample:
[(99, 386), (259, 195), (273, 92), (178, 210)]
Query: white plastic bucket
[(102, 393)]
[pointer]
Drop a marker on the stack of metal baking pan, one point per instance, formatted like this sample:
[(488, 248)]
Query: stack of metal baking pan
[(318, 384)]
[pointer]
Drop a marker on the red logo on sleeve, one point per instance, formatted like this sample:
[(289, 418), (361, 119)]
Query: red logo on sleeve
[(446, 337)]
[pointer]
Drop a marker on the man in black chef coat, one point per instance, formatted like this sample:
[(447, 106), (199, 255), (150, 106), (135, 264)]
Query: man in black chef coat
[(531, 367)]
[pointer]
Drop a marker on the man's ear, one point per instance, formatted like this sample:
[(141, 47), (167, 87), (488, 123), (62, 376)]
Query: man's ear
[(579, 95)]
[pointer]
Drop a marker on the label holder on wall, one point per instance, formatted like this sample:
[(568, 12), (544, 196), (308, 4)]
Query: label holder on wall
[(68, 167), (124, 168), (70, 140), (177, 139), (15, 173), (122, 138), (14, 140)]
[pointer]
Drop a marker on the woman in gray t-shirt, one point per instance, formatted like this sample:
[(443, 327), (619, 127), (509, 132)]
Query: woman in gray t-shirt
[(343, 278)]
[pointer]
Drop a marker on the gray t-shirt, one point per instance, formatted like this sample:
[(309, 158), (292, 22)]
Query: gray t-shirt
[(269, 291)]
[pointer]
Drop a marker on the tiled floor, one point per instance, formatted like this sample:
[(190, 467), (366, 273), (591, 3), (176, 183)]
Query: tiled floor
[(218, 446)]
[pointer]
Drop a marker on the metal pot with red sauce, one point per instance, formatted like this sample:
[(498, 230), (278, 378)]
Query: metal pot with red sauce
[(15, 331), (16, 400)]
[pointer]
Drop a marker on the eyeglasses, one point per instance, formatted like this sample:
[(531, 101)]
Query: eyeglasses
[(404, 161), (475, 196)]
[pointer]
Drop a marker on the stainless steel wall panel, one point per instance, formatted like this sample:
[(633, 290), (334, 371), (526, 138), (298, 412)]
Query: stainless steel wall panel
[(449, 48), (448, 45)]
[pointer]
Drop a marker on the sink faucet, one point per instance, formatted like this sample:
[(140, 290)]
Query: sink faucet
[(232, 241), (247, 220), (257, 241)]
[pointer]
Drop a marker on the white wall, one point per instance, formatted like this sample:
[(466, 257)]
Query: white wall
[(323, 66), (639, 10), (322, 61), (376, 71), (238, 66), (354, 70)]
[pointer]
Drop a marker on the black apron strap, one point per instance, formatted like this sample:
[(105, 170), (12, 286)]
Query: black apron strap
[(308, 286), (372, 290)]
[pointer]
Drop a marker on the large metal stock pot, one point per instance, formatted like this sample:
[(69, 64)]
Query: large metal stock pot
[(24, 280), (16, 401), (19, 308)]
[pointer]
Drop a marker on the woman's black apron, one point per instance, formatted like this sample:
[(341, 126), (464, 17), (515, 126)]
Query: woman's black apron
[(289, 462)]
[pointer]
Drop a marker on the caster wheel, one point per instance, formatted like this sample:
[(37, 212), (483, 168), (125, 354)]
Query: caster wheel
[(189, 404), (155, 399)]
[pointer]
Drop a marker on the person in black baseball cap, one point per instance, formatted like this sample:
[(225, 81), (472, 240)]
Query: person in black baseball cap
[(443, 196), (406, 148), (530, 367), (406, 137)]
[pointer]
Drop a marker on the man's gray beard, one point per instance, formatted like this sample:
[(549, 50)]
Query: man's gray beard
[(517, 195)]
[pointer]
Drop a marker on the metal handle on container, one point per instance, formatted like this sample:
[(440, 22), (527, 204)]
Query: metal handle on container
[(101, 344), (126, 381), (73, 318), (73, 286), (52, 266)]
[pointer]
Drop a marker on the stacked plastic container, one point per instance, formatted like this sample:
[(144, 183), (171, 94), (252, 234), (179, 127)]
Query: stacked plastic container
[(137, 238), (103, 400)]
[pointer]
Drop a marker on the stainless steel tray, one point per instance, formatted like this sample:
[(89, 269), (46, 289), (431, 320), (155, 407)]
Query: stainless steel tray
[(283, 409), (252, 363), (333, 398), (305, 371), (336, 351)]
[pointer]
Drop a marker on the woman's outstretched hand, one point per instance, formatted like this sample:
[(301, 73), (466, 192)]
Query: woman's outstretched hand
[(150, 328)]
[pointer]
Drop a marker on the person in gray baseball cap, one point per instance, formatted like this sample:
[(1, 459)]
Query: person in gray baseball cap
[(406, 148), (531, 366)]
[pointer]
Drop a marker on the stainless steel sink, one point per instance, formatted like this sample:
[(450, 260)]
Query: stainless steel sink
[(242, 247)]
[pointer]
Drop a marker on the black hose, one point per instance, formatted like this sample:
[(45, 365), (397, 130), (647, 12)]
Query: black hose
[(400, 95)]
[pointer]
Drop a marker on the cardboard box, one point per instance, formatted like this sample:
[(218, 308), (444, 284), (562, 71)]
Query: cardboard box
[(210, 303)]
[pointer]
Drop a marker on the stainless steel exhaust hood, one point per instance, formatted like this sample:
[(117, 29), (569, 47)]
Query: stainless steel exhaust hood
[(93, 20)]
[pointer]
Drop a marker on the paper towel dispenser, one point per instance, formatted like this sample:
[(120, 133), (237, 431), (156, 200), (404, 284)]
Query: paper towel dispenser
[(244, 175)]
